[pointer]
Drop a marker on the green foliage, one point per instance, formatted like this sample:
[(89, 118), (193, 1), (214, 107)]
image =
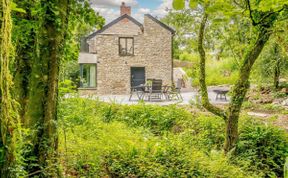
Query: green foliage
[(203, 132), (123, 148), (129, 141), (169, 160), (220, 72), (69, 76), (66, 87), (46, 35), (286, 168), (178, 4), (273, 58), (158, 120), (263, 147), (184, 24)]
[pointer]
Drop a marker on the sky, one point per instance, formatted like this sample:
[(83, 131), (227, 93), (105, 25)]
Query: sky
[(110, 9)]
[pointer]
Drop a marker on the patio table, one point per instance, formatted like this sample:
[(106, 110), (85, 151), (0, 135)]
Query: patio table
[(221, 92), (146, 91)]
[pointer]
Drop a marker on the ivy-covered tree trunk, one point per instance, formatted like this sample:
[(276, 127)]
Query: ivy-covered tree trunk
[(277, 66), (25, 43), (44, 55), (9, 123), (52, 40), (240, 90)]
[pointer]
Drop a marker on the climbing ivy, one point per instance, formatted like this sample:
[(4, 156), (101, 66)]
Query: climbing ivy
[(10, 141), (46, 34)]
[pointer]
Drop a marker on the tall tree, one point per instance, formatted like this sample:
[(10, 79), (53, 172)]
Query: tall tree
[(184, 24), (262, 18), (43, 36), (9, 120)]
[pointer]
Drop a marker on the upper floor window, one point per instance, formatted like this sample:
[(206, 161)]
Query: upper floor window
[(126, 46)]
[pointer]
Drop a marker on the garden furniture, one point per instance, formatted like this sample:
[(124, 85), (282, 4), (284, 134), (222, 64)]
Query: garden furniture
[(222, 93)]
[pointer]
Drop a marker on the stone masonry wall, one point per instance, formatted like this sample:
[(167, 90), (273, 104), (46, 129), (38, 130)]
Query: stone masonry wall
[(152, 50)]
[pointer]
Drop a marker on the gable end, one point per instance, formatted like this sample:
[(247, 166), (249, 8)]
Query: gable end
[(113, 23), (161, 23)]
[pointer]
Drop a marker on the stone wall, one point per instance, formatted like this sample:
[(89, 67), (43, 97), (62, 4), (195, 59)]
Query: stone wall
[(124, 27), (152, 50)]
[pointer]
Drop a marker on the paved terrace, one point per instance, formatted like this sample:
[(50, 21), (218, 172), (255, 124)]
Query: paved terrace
[(188, 97)]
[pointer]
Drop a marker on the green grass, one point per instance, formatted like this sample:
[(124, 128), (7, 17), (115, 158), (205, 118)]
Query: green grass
[(220, 72)]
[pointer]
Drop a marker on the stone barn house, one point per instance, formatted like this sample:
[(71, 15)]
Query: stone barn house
[(126, 53)]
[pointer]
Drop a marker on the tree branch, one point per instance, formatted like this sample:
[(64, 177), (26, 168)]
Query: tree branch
[(202, 79), (250, 12), (267, 14)]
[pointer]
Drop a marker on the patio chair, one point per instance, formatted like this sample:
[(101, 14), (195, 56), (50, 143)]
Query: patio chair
[(175, 92), (155, 91), (138, 90)]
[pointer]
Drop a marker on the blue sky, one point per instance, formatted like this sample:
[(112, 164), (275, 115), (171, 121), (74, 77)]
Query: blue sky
[(110, 8), (151, 4)]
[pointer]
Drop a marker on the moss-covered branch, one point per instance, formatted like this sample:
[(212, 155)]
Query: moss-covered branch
[(202, 76)]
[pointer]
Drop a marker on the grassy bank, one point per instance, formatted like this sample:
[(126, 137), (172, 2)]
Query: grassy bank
[(100, 139)]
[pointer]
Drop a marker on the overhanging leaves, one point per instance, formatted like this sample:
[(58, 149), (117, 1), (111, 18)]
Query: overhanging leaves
[(178, 4)]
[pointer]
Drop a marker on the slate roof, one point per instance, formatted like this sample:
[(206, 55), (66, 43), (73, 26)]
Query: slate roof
[(132, 20), (113, 23)]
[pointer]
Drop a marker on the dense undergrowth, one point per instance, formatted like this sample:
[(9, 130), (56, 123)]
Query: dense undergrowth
[(100, 139), (224, 71)]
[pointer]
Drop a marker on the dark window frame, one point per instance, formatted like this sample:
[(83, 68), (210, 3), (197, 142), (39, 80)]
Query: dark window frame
[(126, 42)]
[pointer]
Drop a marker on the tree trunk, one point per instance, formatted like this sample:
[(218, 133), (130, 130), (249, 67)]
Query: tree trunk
[(48, 157), (240, 90), (9, 120), (277, 73), (277, 66), (41, 112), (202, 75)]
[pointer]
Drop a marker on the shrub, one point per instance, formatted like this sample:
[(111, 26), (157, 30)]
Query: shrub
[(263, 147), (169, 160), (220, 72), (152, 141), (157, 119), (203, 132)]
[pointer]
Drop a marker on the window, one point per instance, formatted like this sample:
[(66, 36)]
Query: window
[(88, 75), (126, 46)]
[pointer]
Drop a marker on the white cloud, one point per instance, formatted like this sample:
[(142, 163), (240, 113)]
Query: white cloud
[(110, 9), (108, 13), (113, 3), (144, 10), (162, 10), (139, 15)]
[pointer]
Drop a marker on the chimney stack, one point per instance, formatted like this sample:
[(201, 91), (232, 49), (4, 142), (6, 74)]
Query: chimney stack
[(125, 9)]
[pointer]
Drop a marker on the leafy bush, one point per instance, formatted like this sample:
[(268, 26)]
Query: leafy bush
[(101, 139), (169, 160), (66, 87), (203, 132), (220, 72), (263, 147), (157, 119)]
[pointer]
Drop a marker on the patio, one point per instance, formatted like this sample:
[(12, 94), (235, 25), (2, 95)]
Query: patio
[(187, 96)]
